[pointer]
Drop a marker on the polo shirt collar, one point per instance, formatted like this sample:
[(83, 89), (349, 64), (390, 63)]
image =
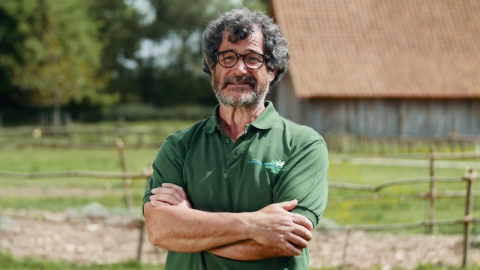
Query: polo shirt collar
[(212, 122), (266, 120)]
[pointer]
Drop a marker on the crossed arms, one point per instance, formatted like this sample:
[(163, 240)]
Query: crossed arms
[(270, 232)]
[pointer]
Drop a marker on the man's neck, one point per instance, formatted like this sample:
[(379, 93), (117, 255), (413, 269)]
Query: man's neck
[(233, 120)]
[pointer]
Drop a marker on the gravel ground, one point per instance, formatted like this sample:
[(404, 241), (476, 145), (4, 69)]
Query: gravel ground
[(104, 240)]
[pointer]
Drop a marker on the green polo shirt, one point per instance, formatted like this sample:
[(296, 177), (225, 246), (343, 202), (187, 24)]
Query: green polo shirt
[(275, 160)]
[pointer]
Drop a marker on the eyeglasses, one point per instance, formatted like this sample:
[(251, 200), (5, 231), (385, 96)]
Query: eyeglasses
[(229, 59)]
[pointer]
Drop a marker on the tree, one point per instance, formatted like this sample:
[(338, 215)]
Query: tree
[(57, 53)]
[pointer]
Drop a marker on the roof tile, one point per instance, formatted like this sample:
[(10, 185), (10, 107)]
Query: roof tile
[(377, 48)]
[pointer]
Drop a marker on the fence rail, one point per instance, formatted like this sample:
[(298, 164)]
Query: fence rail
[(469, 177)]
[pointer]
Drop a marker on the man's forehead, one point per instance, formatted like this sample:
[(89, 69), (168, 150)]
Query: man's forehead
[(254, 37)]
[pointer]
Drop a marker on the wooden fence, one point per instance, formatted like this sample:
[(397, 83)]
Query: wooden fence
[(103, 175), (126, 176), (430, 223)]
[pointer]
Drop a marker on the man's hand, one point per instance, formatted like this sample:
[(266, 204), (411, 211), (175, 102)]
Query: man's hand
[(169, 194), (275, 226)]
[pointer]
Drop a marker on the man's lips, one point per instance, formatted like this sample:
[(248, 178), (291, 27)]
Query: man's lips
[(240, 84)]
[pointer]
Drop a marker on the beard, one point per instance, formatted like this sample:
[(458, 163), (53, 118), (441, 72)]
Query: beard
[(250, 100)]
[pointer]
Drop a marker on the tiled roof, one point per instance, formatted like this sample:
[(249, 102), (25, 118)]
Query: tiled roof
[(382, 48)]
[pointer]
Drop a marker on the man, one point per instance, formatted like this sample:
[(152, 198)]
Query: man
[(244, 188)]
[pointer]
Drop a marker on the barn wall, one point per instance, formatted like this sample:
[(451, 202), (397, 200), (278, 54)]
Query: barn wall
[(286, 102), (382, 117)]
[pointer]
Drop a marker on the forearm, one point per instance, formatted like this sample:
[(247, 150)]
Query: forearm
[(189, 230), (248, 250)]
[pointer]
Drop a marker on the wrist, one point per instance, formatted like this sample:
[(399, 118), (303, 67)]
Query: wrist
[(247, 221)]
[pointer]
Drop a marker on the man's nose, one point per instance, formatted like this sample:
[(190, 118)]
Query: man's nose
[(240, 68)]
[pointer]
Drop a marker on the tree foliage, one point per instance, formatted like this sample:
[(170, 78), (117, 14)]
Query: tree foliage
[(56, 55), (84, 54)]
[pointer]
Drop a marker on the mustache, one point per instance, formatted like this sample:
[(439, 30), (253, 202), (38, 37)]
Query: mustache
[(240, 80)]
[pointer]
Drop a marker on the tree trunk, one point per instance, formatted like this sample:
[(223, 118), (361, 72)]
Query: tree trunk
[(57, 117)]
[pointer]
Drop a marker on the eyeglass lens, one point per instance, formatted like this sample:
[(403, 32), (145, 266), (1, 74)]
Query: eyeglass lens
[(251, 60)]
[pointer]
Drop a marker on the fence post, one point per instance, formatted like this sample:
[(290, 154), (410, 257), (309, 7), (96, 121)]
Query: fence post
[(127, 182), (467, 225), (140, 240), (432, 192), (142, 226), (345, 246), (1, 231)]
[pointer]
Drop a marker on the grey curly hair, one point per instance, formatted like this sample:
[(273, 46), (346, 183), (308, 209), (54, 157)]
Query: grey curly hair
[(241, 23)]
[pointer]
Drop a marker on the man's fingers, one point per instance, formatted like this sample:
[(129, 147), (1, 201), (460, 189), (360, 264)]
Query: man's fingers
[(288, 205), (157, 203), (298, 241), (167, 192), (166, 198), (176, 188), (303, 233), (305, 222)]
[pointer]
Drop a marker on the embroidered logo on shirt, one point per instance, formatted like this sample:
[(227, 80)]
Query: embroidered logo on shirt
[(274, 166)]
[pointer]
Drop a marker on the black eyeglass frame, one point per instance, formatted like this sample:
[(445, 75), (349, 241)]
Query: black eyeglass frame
[(264, 57)]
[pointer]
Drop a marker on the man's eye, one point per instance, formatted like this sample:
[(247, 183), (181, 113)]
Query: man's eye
[(254, 59)]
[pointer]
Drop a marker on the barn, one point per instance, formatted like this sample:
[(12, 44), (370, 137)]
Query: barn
[(379, 68)]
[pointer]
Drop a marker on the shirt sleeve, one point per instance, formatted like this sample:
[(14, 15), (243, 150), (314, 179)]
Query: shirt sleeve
[(304, 177), (167, 168)]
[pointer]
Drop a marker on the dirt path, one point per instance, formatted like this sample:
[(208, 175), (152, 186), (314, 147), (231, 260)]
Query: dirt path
[(104, 241)]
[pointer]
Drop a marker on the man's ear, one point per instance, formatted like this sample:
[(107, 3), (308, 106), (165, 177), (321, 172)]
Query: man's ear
[(272, 75), (209, 64)]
